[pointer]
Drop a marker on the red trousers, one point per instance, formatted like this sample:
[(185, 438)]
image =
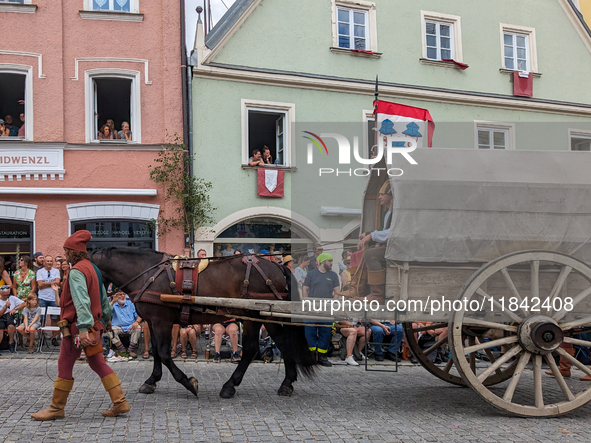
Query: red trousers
[(69, 354)]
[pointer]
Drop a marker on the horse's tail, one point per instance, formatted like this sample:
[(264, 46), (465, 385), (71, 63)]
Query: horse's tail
[(296, 342)]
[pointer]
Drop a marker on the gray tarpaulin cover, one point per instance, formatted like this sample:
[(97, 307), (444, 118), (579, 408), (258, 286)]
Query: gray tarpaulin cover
[(460, 205)]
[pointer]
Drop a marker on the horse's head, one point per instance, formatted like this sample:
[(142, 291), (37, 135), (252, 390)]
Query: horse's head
[(120, 264)]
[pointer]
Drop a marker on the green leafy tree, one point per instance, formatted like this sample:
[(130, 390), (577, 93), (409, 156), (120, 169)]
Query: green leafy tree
[(188, 193)]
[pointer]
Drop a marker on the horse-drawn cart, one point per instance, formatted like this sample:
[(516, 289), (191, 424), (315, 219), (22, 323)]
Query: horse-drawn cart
[(507, 236)]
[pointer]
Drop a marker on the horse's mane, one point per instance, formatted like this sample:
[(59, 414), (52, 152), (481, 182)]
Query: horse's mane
[(108, 252)]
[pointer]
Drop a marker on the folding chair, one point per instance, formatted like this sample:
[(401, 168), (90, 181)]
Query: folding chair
[(44, 328)]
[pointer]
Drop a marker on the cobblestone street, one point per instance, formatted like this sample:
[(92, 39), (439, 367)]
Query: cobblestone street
[(342, 404)]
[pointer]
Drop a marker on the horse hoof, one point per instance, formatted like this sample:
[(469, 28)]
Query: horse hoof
[(194, 386), (147, 389), (285, 391), (227, 392)]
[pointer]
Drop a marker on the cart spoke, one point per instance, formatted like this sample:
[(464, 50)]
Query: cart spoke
[(491, 344), (576, 341), (576, 300), (538, 394), (472, 341), (489, 324), (576, 323), (448, 365), (535, 279), (497, 364), (516, 376), (499, 307), (437, 345), (564, 272), (574, 361), (513, 289), (559, 378)]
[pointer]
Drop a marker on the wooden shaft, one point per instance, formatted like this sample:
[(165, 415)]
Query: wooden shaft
[(267, 305)]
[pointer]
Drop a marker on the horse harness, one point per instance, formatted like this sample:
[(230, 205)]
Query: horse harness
[(186, 278)]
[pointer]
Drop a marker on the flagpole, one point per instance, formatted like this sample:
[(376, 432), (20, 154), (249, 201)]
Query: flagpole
[(375, 119)]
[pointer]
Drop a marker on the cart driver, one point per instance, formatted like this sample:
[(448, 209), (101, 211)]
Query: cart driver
[(374, 257)]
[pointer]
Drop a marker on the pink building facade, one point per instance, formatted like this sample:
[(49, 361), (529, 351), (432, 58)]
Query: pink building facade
[(66, 68)]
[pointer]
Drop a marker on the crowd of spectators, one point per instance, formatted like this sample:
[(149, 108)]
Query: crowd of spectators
[(108, 131)]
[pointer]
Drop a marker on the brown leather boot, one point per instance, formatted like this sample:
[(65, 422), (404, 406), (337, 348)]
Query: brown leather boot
[(377, 284), (585, 378), (61, 391), (565, 365), (113, 387)]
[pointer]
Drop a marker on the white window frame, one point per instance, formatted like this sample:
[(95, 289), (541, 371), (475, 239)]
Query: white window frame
[(532, 52), (366, 116), (371, 34), (27, 71), (135, 101), (578, 133), (25, 2), (508, 128), (456, 34), (133, 6), (269, 106)]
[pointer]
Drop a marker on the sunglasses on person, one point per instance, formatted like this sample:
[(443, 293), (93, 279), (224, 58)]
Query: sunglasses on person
[(5, 287)]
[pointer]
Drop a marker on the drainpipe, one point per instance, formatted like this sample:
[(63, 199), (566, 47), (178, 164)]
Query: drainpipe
[(186, 84)]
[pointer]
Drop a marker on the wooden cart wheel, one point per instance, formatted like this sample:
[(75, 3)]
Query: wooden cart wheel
[(446, 372), (529, 336)]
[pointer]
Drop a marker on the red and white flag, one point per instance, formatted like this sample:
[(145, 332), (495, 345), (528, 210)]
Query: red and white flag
[(397, 122), (270, 182)]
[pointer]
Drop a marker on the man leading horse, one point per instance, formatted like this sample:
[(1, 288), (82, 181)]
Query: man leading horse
[(83, 305)]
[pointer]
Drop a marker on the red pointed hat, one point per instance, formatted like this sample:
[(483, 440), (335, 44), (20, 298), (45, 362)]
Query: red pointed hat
[(77, 241)]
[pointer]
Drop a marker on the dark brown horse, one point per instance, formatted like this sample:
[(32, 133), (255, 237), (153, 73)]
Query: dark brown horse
[(222, 278)]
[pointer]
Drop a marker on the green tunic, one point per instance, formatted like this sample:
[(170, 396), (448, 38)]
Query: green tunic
[(81, 300)]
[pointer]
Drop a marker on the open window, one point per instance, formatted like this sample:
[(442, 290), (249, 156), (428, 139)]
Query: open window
[(113, 97), (13, 102), (267, 124)]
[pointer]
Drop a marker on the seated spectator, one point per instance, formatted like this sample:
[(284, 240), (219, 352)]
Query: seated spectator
[(125, 321), (9, 307), (229, 327), (354, 334), (105, 133), (4, 131), (21, 131), (426, 338), (12, 129), (31, 321), (189, 334), (256, 160), (384, 331), (125, 133), (111, 124)]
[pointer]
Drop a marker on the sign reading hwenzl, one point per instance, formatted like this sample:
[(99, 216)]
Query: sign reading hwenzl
[(32, 161)]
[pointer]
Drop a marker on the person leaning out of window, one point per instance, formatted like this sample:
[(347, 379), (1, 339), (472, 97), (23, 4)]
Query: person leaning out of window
[(4, 131), (125, 133), (105, 133)]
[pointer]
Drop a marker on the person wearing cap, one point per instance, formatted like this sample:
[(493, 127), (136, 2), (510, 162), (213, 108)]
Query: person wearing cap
[(287, 261), (375, 258), (38, 261), (83, 304), (320, 283)]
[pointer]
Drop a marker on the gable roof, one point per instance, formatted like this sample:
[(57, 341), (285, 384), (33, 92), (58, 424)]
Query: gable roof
[(227, 22), (581, 17)]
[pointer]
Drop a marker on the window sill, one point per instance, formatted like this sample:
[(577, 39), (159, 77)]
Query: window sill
[(12, 139), (112, 15), (428, 61), (17, 7), (283, 168), (368, 54), (511, 71), (114, 142)]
